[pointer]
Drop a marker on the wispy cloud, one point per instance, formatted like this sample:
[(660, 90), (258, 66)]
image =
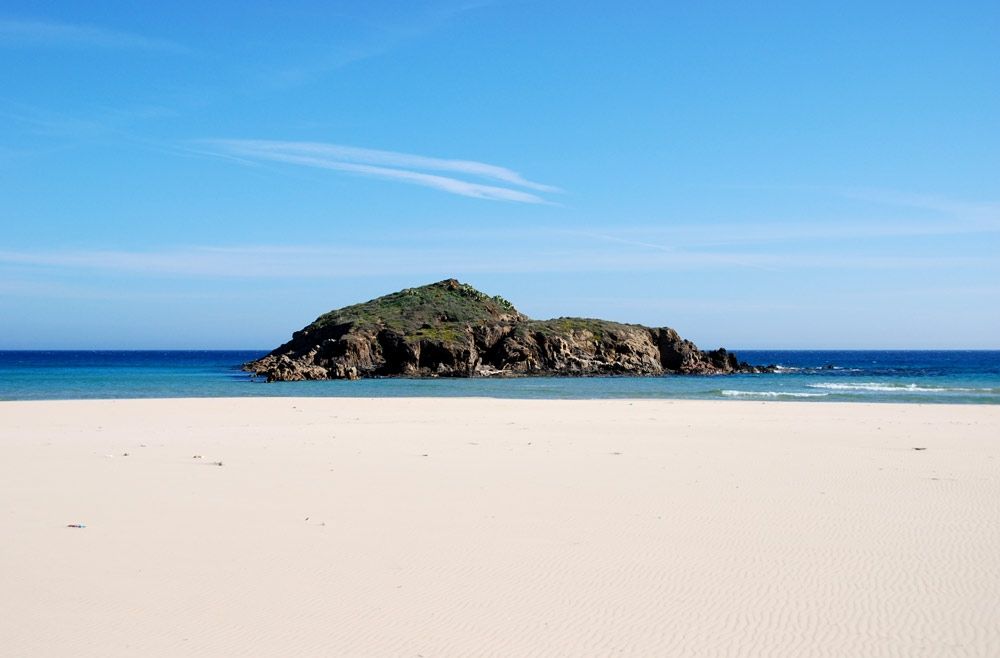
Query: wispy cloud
[(391, 165), (20, 33), (285, 262), (772, 233), (372, 33), (923, 201), (967, 215), (386, 158)]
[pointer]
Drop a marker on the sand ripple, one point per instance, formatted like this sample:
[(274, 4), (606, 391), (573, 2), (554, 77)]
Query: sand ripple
[(499, 528)]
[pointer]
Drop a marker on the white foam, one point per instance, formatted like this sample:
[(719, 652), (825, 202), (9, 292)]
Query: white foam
[(772, 394), (894, 388)]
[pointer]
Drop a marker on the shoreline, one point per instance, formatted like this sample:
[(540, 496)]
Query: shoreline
[(475, 526), (791, 400), (725, 400)]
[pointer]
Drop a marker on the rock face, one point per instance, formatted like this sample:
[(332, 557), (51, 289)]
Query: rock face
[(450, 329)]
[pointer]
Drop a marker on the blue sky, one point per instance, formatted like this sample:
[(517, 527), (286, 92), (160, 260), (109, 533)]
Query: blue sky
[(797, 175)]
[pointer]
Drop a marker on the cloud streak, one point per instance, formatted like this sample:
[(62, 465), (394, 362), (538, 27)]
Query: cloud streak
[(502, 183), (367, 36), (308, 262), (64, 35)]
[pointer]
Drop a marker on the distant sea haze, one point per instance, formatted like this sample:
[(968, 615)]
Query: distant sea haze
[(964, 377)]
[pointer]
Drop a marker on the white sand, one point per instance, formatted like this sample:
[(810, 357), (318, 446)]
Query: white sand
[(348, 527)]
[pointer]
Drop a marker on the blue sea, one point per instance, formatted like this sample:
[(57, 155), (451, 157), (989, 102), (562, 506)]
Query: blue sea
[(966, 377)]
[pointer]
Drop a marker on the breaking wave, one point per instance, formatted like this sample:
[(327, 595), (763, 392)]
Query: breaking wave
[(877, 387), (771, 394), (787, 370)]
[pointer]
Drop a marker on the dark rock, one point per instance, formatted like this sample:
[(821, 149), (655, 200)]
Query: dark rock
[(449, 329)]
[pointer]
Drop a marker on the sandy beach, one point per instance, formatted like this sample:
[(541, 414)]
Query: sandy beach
[(478, 527)]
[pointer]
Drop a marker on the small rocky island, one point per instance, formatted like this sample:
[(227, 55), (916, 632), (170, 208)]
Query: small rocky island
[(450, 329)]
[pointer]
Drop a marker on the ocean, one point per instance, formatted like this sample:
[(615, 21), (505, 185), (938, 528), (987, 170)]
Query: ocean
[(964, 377)]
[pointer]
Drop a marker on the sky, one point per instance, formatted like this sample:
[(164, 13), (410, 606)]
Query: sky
[(756, 175)]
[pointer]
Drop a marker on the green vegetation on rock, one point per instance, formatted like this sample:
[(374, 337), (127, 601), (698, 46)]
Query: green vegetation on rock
[(438, 311)]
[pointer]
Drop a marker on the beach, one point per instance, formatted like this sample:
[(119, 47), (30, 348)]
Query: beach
[(487, 527)]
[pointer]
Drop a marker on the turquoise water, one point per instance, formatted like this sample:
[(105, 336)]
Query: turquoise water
[(969, 377)]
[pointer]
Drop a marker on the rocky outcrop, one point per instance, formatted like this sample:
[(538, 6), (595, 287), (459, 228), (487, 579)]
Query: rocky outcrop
[(449, 329)]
